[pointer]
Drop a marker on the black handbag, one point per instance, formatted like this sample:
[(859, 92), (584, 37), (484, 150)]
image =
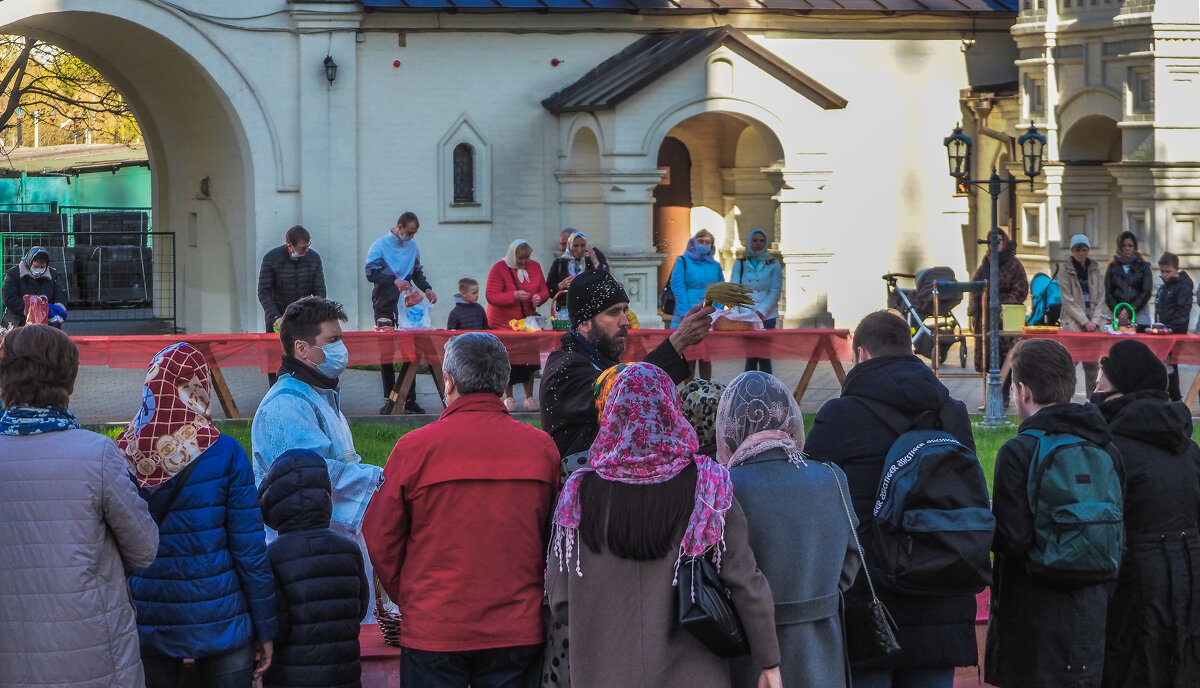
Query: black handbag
[(871, 636), (706, 609)]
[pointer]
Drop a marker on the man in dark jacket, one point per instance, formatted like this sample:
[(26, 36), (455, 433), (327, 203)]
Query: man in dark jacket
[(321, 590), (456, 532), (596, 304), (289, 273), (34, 276), (1154, 615), (936, 634), (1042, 634), (1173, 308)]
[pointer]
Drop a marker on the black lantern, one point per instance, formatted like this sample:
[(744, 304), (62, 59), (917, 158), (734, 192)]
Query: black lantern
[(958, 150), (1032, 144), (330, 68)]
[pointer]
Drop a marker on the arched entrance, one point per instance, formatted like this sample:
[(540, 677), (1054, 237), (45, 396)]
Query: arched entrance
[(723, 174), (194, 109), (1091, 204)]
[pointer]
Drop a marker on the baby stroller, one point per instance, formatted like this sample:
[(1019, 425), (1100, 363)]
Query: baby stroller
[(926, 313), (1047, 302)]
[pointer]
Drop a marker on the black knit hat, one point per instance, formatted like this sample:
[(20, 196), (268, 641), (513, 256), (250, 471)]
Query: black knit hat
[(1131, 366), (591, 293)]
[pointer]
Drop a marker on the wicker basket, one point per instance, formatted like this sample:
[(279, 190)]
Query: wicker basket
[(559, 324), (389, 621)]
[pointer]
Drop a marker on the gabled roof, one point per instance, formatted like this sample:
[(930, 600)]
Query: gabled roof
[(701, 5), (653, 56)]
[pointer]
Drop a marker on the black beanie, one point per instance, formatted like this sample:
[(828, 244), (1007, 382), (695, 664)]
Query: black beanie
[(1131, 366), (591, 293)]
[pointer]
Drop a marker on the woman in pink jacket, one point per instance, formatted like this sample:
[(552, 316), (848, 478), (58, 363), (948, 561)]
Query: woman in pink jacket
[(516, 287)]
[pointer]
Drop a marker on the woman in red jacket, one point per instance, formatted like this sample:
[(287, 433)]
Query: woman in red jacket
[(516, 287)]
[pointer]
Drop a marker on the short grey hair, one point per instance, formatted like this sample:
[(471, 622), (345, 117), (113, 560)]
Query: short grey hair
[(478, 363)]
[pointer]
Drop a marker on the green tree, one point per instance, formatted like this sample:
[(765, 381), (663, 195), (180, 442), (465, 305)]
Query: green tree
[(70, 100)]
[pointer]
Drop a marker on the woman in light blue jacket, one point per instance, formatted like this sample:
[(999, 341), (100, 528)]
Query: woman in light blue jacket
[(694, 271), (758, 270)]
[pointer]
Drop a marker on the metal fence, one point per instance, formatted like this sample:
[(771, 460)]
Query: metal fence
[(119, 277)]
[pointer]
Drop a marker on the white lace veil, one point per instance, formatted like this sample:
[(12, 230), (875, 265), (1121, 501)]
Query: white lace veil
[(757, 412)]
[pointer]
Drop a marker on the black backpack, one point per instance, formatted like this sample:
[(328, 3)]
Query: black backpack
[(932, 528), (666, 298)]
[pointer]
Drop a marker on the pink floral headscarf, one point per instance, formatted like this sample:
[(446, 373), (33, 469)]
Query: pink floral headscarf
[(644, 439)]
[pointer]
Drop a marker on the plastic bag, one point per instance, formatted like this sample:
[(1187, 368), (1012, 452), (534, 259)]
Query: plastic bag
[(736, 319), (414, 318), (37, 310)]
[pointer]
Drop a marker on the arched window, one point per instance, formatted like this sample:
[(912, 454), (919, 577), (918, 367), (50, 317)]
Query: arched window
[(464, 173)]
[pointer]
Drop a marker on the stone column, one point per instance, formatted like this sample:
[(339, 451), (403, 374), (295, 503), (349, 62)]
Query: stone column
[(803, 239), (622, 202)]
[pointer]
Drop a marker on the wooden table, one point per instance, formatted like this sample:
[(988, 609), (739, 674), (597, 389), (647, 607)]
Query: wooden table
[(1089, 347), (262, 350)]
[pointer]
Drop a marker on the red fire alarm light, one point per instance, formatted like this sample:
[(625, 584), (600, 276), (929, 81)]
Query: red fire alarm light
[(556, 62), (396, 63)]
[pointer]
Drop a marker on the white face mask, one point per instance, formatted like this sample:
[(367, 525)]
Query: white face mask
[(37, 272)]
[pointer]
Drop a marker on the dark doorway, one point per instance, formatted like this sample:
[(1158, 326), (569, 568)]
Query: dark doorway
[(672, 204)]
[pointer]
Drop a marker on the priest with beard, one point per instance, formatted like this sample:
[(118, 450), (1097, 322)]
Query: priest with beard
[(596, 304)]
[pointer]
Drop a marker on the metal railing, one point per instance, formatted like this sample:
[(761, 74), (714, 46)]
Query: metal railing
[(121, 282)]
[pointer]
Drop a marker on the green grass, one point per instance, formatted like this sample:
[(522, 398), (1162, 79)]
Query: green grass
[(374, 441)]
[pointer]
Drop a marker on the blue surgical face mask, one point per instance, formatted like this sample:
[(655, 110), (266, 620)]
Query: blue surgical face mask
[(37, 272), (704, 250), (296, 256), (336, 359)]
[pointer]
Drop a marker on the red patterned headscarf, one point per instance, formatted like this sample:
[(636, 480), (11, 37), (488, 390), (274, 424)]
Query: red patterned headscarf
[(644, 439), (173, 428)]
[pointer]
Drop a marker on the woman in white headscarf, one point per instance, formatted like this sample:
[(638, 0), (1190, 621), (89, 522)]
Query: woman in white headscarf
[(758, 270), (515, 289), (578, 257), (799, 517)]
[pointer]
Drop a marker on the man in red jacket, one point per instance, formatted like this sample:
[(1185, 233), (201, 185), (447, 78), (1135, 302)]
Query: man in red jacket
[(456, 533)]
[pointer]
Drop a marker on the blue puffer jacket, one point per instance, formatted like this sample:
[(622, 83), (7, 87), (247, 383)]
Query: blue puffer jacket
[(210, 590), (689, 279)]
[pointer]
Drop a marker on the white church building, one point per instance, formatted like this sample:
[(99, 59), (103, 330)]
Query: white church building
[(640, 122)]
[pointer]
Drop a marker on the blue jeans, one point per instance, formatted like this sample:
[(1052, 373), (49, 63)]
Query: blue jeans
[(906, 677), (501, 667), (234, 669), (763, 364)]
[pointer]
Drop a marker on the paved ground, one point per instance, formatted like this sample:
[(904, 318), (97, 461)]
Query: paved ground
[(104, 395)]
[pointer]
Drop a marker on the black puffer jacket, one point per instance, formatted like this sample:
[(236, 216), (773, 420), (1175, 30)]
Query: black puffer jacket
[(1173, 307), (320, 584), (934, 631), (1134, 287), (1154, 617), (1041, 635), (282, 280)]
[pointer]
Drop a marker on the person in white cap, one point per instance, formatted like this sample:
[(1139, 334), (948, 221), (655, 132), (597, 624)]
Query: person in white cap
[(1081, 287)]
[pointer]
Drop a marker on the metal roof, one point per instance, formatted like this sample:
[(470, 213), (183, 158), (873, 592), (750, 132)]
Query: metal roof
[(651, 57), (702, 5)]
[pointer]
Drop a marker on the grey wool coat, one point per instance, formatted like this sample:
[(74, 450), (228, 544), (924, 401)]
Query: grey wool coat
[(73, 526), (623, 625), (801, 538)]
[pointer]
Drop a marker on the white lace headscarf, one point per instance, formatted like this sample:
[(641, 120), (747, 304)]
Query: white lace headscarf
[(758, 413)]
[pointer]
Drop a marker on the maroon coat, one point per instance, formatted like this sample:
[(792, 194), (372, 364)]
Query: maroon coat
[(1014, 287), (456, 531)]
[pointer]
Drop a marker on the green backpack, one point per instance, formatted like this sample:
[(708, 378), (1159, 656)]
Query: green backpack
[(1076, 498)]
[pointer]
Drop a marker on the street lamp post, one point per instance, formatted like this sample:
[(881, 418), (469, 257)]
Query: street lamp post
[(958, 152)]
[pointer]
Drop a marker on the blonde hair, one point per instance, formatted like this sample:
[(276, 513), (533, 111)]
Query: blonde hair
[(705, 232)]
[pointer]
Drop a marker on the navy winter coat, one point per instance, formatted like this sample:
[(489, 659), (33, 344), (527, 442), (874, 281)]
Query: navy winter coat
[(210, 589), (320, 581), (1173, 307), (934, 631), (283, 280)]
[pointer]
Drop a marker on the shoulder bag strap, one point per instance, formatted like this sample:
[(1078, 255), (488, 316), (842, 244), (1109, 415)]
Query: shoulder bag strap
[(854, 532), (178, 481)]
